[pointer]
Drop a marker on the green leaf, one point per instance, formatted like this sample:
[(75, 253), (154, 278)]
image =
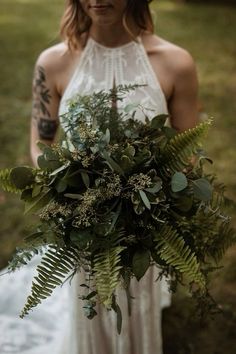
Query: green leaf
[(107, 136), (158, 121), (139, 208), (155, 189), (26, 195), (145, 199), (60, 169), (61, 186), (140, 263), (73, 196), (119, 319), (126, 163), (85, 178), (129, 151), (175, 251), (169, 132), (118, 312), (130, 107), (81, 237), (39, 202), (184, 203), (36, 190), (202, 189), (178, 182), (113, 165), (22, 177), (49, 160)]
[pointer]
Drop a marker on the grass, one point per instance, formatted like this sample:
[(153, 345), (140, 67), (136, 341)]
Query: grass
[(208, 32)]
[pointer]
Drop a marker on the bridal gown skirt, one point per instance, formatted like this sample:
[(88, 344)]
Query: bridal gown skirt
[(141, 333), (59, 326)]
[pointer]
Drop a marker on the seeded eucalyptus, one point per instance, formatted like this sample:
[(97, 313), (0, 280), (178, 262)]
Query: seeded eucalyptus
[(117, 196)]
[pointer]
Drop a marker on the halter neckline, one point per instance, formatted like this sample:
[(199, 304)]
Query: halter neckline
[(123, 46)]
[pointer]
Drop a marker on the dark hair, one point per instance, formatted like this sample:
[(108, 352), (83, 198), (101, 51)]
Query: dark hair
[(75, 22)]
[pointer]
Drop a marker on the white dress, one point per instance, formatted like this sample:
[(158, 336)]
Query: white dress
[(100, 68), (58, 325)]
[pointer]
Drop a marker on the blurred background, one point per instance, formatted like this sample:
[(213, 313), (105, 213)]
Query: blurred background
[(207, 29)]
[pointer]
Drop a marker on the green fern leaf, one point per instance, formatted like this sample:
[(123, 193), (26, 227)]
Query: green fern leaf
[(107, 273), (6, 183), (173, 250), (176, 154), (54, 267), (225, 239)]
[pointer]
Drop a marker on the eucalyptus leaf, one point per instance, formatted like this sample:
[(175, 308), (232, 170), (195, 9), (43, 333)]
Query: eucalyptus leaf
[(178, 182), (118, 312), (202, 189), (22, 177), (61, 186), (107, 136), (155, 189), (158, 121), (139, 208), (85, 178), (113, 165), (39, 202), (129, 151), (130, 107), (73, 196), (125, 163), (36, 190), (145, 199), (118, 318)]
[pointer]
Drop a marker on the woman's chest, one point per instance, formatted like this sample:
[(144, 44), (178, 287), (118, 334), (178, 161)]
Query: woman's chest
[(108, 67)]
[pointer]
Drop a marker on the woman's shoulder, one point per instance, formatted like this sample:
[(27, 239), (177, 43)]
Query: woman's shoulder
[(56, 58), (173, 57)]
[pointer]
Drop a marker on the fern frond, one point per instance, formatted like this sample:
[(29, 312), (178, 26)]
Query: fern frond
[(107, 273), (225, 239), (54, 267), (5, 182), (176, 154), (173, 250)]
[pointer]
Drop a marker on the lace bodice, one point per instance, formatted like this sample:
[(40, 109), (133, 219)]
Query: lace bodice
[(100, 67)]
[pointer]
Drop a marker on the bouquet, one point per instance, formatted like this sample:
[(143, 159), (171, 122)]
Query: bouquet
[(116, 196)]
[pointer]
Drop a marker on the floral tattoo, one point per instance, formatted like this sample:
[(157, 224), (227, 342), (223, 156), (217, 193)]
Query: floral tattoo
[(45, 124)]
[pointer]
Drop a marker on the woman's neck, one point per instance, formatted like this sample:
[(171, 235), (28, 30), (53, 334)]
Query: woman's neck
[(113, 35)]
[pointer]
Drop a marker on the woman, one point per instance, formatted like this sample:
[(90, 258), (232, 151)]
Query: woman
[(107, 43)]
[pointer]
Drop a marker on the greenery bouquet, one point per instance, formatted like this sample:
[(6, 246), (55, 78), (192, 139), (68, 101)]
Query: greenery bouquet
[(115, 197)]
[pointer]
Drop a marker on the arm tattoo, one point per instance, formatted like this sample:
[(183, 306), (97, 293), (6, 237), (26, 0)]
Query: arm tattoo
[(47, 128), (41, 115)]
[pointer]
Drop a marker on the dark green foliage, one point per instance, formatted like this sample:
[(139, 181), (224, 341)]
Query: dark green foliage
[(117, 196)]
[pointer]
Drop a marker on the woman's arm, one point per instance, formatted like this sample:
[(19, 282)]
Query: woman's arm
[(44, 122), (183, 103)]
